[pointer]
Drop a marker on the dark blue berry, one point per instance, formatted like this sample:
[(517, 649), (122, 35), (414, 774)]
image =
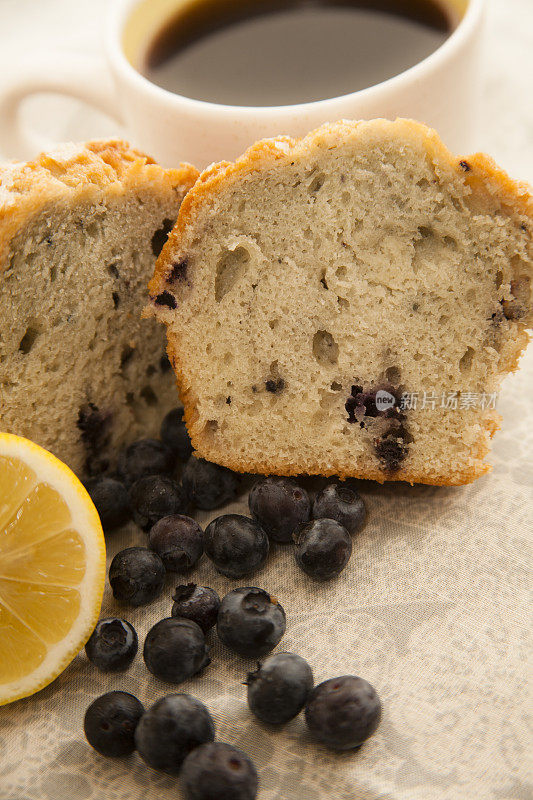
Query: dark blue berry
[(136, 576), (175, 435), (111, 500), (342, 504), (236, 545), (110, 723), (343, 712), (144, 457), (175, 649), (323, 548), (164, 363), (160, 236), (363, 406), (165, 299), (250, 622), (95, 434), (274, 386), (218, 771), (178, 271), (207, 485), (278, 689), (154, 497), (279, 505), (179, 542), (199, 603), (391, 448), (112, 645), (170, 729)]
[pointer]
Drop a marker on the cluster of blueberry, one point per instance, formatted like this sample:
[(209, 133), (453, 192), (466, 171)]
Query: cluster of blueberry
[(177, 733), (144, 485), (321, 530), (144, 488), (248, 620)]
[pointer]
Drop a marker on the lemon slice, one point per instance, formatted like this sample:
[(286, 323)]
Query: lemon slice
[(52, 567)]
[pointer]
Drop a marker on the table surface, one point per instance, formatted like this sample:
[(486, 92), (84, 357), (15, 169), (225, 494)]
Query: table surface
[(433, 608)]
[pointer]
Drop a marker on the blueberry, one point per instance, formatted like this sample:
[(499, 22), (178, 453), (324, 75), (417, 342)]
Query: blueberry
[(218, 771), (136, 576), (179, 542), (250, 622), (170, 729), (165, 299), (154, 497), (112, 645), (199, 603), (391, 448), (164, 363), (144, 457), (342, 504), (160, 236), (111, 500), (93, 425), (236, 545), (279, 505), (175, 435), (207, 485), (110, 723), (274, 386), (175, 649), (278, 689), (323, 548), (343, 712)]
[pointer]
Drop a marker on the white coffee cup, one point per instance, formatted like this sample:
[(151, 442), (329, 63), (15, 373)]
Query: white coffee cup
[(442, 91)]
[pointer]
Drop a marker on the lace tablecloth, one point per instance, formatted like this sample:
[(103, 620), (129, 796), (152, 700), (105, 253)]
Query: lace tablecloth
[(432, 609)]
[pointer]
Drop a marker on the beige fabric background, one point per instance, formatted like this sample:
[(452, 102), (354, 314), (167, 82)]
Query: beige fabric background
[(433, 608)]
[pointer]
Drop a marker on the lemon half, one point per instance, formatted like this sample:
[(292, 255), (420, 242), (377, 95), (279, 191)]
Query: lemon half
[(52, 567)]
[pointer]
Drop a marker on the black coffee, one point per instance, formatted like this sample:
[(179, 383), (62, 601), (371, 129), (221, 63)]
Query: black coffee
[(279, 52)]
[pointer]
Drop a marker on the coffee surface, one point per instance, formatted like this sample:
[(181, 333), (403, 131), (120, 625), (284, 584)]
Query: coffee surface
[(269, 52)]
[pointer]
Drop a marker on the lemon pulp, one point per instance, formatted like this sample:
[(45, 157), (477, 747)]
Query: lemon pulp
[(47, 547)]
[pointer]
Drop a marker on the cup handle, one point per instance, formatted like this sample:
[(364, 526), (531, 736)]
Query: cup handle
[(85, 78)]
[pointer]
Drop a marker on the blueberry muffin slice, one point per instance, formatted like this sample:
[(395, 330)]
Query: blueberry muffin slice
[(348, 304), (80, 229)]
